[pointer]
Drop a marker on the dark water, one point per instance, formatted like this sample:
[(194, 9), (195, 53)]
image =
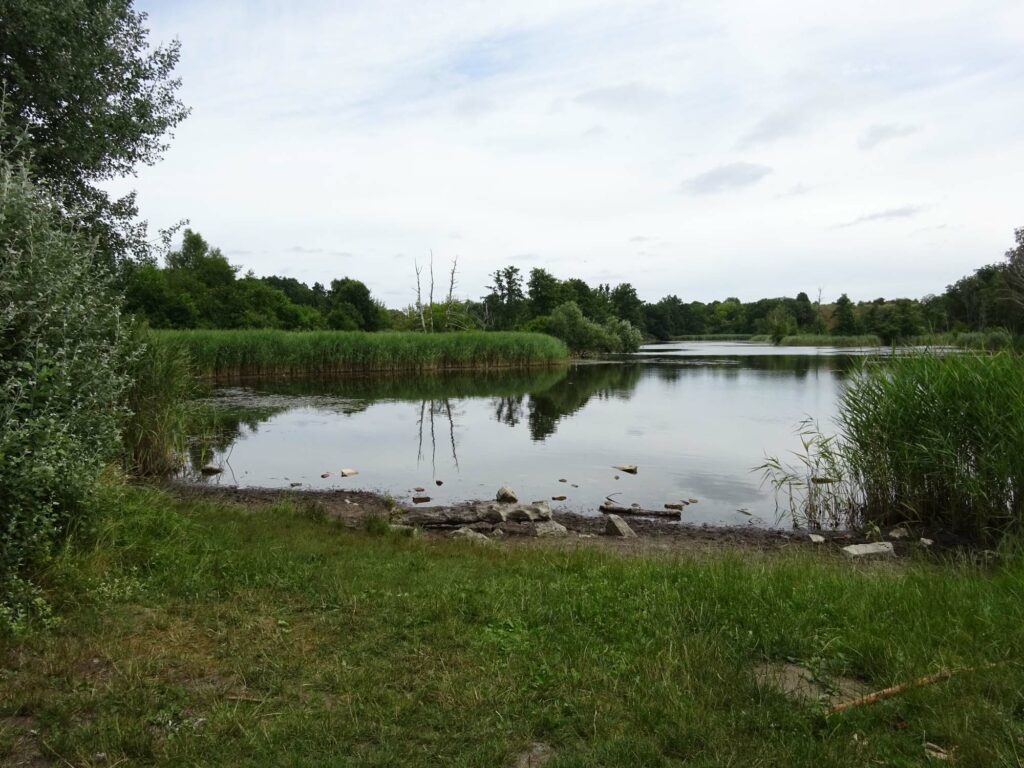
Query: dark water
[(695, 418)]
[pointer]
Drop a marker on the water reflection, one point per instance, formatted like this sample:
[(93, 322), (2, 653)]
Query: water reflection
[(695, 424)]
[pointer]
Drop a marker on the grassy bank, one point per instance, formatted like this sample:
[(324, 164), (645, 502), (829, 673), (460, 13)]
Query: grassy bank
[(225, 354), (207, 634), (827, 340)]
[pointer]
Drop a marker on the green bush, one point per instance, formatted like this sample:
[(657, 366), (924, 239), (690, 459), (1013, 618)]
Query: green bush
[(583, 336), (65, 353)]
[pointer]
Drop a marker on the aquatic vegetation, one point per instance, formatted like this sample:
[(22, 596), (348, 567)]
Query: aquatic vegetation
[(253, 353), (922, 438)]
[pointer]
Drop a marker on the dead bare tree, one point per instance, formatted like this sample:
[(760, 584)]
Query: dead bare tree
[(419, 296), (431, 290), (451, 295)]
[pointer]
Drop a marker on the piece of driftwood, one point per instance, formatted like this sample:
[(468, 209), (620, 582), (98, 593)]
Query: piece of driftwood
[(896, 690), (615, 509)]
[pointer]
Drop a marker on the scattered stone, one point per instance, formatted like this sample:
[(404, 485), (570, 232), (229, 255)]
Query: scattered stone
[(816, 538), (558, 498), (562, 480), (294, 485), (575, 486), (874, 549), (691, 501), (325, 475), (542, 509), (798, 682), (419, 490), (550, 529), (420, 499), (506, 495), (440, 518), (635, 505), (616, 477), (629, 469), (470, 535), (615, 509), (674, 505), (616, 526), (439, 483), (493, 514), (899, 533), (211, 469), (537, 755), (347, 472), (925, 542)]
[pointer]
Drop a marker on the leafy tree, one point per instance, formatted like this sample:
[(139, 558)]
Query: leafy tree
[(627, 304), (844, 322), (781, 323), (350, 304), (505, 303), (545, 291), (86, 100)]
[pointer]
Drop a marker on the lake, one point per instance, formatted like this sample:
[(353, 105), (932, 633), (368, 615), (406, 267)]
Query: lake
[(696, 418)]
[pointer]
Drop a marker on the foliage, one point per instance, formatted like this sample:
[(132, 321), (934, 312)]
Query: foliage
[(922, 438), (323, 353), (86, 100), (582, 335), (65, 352), (158, 402)]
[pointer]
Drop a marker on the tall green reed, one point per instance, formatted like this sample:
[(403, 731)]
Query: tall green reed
[(928, 439)]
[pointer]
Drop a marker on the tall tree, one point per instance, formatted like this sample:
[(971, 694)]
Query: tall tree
[(845, 321), (86, 99)]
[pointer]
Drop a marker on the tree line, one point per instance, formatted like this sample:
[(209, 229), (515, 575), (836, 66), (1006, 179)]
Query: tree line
[(198, 287)]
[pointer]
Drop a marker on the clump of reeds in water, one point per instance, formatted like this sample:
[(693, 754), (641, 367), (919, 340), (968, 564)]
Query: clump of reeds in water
[(928, 439), (227, 354)]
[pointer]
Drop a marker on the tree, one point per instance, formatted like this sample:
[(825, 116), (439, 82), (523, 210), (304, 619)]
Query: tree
[(545, 292), (504, 303), (627, 304), (351, 307), (780, 323), (86, 100), (844, 323)]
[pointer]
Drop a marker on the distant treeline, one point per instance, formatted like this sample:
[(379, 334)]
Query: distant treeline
[(199, 288)]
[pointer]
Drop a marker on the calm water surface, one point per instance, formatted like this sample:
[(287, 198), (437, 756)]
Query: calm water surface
[(696, 418)]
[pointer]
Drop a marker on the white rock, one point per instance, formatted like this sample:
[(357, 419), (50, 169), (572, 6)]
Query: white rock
[(616, 526), (926, 542), (550, 529), (899, 533), (816, 538), (469, 535), (630, 469), (874, 549), (347, 472), (506, 495)]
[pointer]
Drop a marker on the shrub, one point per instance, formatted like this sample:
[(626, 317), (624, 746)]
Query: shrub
[(583, 336), (64, 359)]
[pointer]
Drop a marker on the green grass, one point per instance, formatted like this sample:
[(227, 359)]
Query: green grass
[(226, 354), (827, 340), (713, 337), (210, 634), (930, 439)]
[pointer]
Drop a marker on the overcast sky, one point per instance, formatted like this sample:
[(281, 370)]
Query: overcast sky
[(706, 149)]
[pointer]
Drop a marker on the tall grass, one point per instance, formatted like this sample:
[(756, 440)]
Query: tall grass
[(233, 354), (825, 340), (163, 385), (923, 439)]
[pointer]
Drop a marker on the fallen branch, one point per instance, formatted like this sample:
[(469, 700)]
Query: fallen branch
[(895, 690)]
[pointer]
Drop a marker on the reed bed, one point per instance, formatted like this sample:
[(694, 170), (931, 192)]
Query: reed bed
[(272, 353), (926, 439), (825, 340)]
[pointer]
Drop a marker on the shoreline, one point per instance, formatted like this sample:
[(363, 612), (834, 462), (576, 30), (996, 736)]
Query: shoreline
[(352, 508)]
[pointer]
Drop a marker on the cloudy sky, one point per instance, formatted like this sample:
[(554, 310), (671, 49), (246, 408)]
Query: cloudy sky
[(707, 149)]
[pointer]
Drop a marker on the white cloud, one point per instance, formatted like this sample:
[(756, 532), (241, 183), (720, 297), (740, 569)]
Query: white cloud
[(563, 129)]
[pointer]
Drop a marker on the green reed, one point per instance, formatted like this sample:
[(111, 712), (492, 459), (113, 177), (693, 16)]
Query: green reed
[(229, 354), (933, 440)]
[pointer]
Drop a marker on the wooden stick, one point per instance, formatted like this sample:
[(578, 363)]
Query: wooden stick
[(895, 690)]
